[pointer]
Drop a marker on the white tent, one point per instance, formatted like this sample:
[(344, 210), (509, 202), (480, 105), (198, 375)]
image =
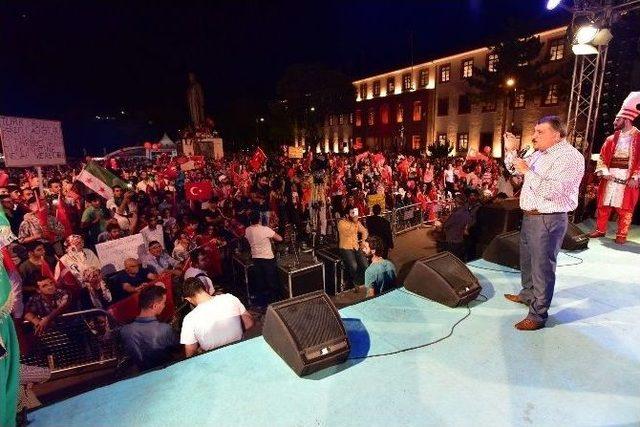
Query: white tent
[(166, 142)]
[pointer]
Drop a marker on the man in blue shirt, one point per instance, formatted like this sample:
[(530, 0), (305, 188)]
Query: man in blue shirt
[(380, 275), (146, 340)]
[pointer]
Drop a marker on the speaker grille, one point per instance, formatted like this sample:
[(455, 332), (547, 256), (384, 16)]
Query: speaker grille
[(311, 322), (452, 269)]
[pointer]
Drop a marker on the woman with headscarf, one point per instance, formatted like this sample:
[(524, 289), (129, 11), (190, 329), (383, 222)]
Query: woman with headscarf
[(76, 259)]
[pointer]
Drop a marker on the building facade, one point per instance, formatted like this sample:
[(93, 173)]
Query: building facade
[(410, 108)]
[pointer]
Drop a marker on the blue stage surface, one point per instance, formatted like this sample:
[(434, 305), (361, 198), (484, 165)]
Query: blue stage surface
[(583, 369)]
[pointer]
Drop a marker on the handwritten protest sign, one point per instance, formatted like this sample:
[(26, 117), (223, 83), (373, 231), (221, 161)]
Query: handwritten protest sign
[(31, 142), (113, 253)]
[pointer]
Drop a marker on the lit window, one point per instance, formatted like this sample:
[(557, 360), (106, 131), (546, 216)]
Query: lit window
[(519, 99), (492, 62), (376, 88), (371, 117), (400, 113), (350, 118), (330, 119), (384, 114), (406, 82), (391, 85), (443, 106), (423, 78), (416, 142), (442, 138), (358, 117), (445, 73), (340, 119), (556, 50), (552, 95), (417, 111), (467, 68), (463, 142), (363, 91)]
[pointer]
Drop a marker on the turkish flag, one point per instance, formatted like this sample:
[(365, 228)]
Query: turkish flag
[(258, 159), (199, 191), (63, 216)]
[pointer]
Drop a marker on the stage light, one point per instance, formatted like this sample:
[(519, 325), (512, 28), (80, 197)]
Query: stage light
[(586, 34), (312, 109), (262, 119), (584, 49), (552, 4)]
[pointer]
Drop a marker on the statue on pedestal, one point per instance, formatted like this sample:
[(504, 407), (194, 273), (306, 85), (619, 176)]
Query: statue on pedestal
[(195, 101)]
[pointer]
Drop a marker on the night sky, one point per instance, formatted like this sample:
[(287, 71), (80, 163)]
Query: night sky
[(74, 60)]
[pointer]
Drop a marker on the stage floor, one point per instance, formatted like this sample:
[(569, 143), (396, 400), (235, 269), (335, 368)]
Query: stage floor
[(583, 369)]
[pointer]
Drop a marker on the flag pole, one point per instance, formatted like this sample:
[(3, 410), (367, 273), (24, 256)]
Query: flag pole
[(40, 185)]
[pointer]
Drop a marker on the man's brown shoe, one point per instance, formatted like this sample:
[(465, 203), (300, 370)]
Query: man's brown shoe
[(529, 325), (515, 298), (595, 234)]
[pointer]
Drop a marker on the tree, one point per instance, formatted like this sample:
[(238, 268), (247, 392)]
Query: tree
[(308, 93), (439, 150), (520, 69)]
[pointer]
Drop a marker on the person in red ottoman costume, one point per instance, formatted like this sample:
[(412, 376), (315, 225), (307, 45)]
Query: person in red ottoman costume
[(619, 168)]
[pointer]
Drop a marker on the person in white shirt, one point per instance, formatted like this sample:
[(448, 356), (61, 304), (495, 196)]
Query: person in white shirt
[(123, 208), (214, 321), (197, 270), (153, 232), (260, 237)]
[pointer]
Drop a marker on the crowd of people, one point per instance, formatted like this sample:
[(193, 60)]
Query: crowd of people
[(58, 222)]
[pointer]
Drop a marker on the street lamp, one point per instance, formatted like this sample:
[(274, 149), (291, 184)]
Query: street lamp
[(312, 109), (510, 82), (552, 4)]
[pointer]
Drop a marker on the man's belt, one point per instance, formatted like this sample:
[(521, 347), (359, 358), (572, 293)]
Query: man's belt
[(620, 181), (619, 163), (535, 212)]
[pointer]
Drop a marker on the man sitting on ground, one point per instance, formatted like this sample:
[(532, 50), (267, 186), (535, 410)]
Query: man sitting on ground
[(158, 260), (214, 321), (146, 340), (380, 275), (131, 279)]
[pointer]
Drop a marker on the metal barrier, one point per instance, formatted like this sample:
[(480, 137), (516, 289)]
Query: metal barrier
[(73, 341), (406, 218)]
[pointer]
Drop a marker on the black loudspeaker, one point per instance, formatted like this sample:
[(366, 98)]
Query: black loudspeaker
[(497, 218), (306, 332), (504, 249), (575, 239), (443, 278)]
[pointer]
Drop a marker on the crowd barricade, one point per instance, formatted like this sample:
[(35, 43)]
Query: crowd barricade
[(74, 341), (407, 218)]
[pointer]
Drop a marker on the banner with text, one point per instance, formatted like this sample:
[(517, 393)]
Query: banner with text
[(295, 152)]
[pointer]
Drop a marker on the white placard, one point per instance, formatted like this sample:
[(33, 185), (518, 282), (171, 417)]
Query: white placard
[(113, 253), (31, 142)]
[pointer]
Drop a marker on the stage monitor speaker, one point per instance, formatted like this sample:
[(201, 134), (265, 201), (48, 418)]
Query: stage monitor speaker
[(498, 217), (575, 239), (443, 278), (306, 332), (504, 249)]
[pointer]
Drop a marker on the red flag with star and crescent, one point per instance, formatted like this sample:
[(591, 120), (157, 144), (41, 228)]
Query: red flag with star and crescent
[(258, 159), (199, 191)]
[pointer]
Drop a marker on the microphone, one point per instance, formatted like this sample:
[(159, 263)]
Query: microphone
[(523, 152)]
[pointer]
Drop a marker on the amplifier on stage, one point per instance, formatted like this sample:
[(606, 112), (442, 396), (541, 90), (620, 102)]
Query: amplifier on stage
[(334, 270), (300, 276)]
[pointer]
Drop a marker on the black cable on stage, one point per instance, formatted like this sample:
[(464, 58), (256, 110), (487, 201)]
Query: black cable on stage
[(499, 270), (392, 353)]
